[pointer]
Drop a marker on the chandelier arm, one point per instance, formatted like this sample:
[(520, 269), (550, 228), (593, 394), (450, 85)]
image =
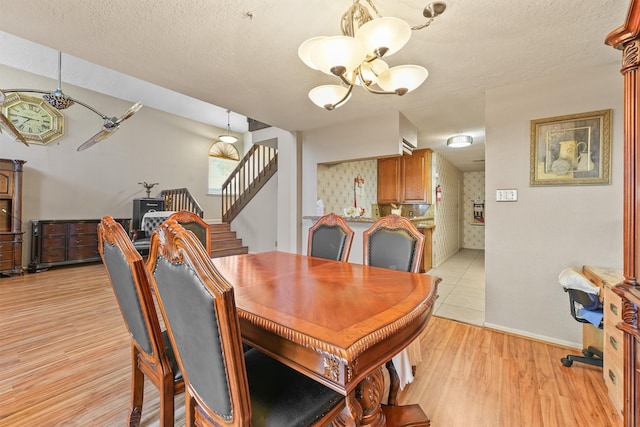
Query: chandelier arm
[(343, 100), (375, 9), (425, 25)]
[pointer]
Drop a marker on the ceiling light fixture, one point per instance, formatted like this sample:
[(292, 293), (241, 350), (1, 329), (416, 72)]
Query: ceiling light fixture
[(227, 137), (458, 141), (60, 101), (355, 56)]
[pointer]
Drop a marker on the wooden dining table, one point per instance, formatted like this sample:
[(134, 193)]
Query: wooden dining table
[(333, 321)]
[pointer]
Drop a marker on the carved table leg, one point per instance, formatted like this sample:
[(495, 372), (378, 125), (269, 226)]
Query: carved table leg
[(369, 394)]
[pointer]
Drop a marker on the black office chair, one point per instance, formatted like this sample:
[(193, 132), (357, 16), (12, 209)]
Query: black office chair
[(591, 355)]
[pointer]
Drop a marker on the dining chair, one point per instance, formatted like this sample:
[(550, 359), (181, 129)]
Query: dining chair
[(394, 242), (152, 356), (192, 222), (330, 237), (224, 385)]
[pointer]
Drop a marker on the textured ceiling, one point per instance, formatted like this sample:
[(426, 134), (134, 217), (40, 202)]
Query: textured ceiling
[(242, 54)]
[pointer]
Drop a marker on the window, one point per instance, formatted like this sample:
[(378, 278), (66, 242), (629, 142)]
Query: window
[(223, 159)]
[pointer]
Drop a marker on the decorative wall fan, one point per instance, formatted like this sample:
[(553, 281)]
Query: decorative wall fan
[(61, 101)]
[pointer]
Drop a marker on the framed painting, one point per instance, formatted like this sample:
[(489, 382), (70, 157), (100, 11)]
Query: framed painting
[(571, 150)]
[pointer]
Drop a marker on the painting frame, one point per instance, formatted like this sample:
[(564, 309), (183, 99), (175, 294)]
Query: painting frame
[(573, 149)]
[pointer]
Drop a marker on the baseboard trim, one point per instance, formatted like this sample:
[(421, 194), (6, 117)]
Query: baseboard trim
[(542, 338)]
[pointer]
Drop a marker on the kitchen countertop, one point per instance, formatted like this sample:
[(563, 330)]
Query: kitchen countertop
[(419, 222)]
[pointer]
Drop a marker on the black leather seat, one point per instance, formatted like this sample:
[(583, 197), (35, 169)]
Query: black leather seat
[(152, 354), (223, 385), (330, 237)]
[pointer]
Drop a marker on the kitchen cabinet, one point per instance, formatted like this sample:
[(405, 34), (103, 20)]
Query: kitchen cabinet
[(416, 177), (389, 179), (406, 178)]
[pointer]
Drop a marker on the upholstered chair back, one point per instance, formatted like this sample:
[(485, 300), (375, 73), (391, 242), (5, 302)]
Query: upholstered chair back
[(330, 237), (393, 242)]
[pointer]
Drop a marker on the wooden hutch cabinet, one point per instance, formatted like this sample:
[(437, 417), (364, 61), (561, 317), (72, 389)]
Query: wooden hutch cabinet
[(406, 178), (11, 216)]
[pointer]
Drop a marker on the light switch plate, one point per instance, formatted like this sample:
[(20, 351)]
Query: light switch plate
[(507, 195)]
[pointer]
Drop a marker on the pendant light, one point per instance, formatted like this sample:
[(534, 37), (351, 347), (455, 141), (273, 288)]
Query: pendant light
[(227, 137)]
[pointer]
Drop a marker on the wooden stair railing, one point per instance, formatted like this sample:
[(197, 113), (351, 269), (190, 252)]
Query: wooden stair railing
[(179, 199), (251, 174)]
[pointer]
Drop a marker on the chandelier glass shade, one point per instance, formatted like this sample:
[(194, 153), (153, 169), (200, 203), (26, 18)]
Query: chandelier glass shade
[(58, 100), (355, 57)]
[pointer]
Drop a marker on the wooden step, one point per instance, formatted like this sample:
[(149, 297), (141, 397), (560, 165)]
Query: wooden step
[(223, 226), (224, 242), (215, 253), (222, 235)]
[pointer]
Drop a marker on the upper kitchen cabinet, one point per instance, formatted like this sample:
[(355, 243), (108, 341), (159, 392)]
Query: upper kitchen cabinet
[(416, 174), (406, 178), (389, 179)]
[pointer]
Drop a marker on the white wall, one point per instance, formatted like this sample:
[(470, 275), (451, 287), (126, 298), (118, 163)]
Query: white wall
[(530, 241), (357, 140), (62, 183)]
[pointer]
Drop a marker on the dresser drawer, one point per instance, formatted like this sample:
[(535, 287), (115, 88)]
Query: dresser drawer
[(82, 252), (54, 229), (6, 263), (83, 228), (83, 240), (54, 242), (6, 245), (53, 255), (8, 237)]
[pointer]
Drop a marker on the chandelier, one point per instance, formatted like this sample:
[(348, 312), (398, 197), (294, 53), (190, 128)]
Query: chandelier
[(355, 56), (60, 101)]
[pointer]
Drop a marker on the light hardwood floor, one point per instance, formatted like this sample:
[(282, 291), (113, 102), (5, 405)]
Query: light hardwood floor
[(65, 361)]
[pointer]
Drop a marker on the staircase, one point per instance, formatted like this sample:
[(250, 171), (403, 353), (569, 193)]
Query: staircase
[(224, 241)]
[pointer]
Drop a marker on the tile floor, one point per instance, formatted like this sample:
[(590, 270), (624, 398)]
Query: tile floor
[(461, 291)]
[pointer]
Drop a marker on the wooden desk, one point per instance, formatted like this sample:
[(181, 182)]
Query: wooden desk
[(610, 338), (333, 321)]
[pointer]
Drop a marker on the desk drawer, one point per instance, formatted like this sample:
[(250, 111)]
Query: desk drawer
[(614, 345), (612, 307), (612, 373)]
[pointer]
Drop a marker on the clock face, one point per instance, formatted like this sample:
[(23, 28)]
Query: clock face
[(36, 120)]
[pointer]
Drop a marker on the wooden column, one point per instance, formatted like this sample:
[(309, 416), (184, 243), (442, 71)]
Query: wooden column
[(627, 39)]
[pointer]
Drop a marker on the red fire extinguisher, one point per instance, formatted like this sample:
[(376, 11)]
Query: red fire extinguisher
[(438, 194)]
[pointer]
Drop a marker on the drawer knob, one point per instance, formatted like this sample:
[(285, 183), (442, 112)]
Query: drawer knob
[(612, 376), (613, 308), (613, 342)]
